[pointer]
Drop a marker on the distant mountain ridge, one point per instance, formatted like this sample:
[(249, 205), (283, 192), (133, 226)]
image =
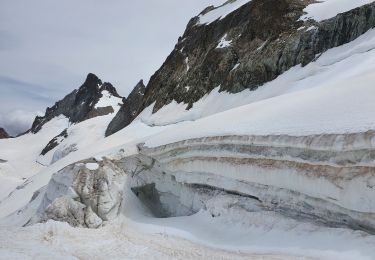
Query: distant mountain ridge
[(244, 49), (79, 105)]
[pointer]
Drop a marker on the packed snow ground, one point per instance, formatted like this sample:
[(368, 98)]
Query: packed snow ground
[(334, 94), (234, 235)]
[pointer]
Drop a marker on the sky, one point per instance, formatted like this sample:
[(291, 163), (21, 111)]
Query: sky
[(47, 47)]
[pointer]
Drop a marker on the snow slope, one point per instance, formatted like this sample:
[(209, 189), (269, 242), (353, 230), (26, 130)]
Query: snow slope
[(320, 10), (92, 144), (325, 9), (21, 154), (334, 94), (221, 12), (302, 101)]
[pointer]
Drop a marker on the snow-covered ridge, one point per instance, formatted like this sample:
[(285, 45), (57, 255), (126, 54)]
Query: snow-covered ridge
[(318, 11), (222, 11), (325, 9)]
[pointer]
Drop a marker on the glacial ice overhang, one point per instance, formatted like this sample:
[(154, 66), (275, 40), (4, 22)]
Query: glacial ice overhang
[(325, 179)]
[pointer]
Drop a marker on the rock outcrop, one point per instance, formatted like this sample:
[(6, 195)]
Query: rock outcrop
[(3, 134), (79, 105), (55, 142), (129, 109)]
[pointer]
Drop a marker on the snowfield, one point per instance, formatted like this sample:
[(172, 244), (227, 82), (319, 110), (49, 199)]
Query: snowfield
[(21, 154), (332, 95)]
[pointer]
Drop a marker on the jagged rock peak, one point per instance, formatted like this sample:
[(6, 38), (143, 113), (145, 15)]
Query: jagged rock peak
[(128, 110), (92, 79), (139, 89), (3, 134), (80, 104)]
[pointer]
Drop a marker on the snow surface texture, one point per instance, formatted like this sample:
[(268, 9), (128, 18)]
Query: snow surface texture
[(325, 9), (334, 94), (221, 11), (224, 223)]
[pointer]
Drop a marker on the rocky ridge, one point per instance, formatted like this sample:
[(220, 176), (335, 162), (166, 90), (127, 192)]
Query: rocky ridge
[(128, 110), (79, 105), (249, 47)]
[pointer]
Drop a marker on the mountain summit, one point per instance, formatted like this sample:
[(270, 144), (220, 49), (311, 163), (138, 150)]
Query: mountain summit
[(82, 103)]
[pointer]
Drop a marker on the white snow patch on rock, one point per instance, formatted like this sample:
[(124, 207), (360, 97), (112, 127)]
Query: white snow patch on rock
[(224, 43), (108, 100), (235, 66), (92, 166), (187, 64)]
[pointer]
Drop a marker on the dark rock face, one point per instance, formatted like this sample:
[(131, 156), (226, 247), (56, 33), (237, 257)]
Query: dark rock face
[(54, 142), (128, 111), (267, 38), (3, 134), (79, 105)]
